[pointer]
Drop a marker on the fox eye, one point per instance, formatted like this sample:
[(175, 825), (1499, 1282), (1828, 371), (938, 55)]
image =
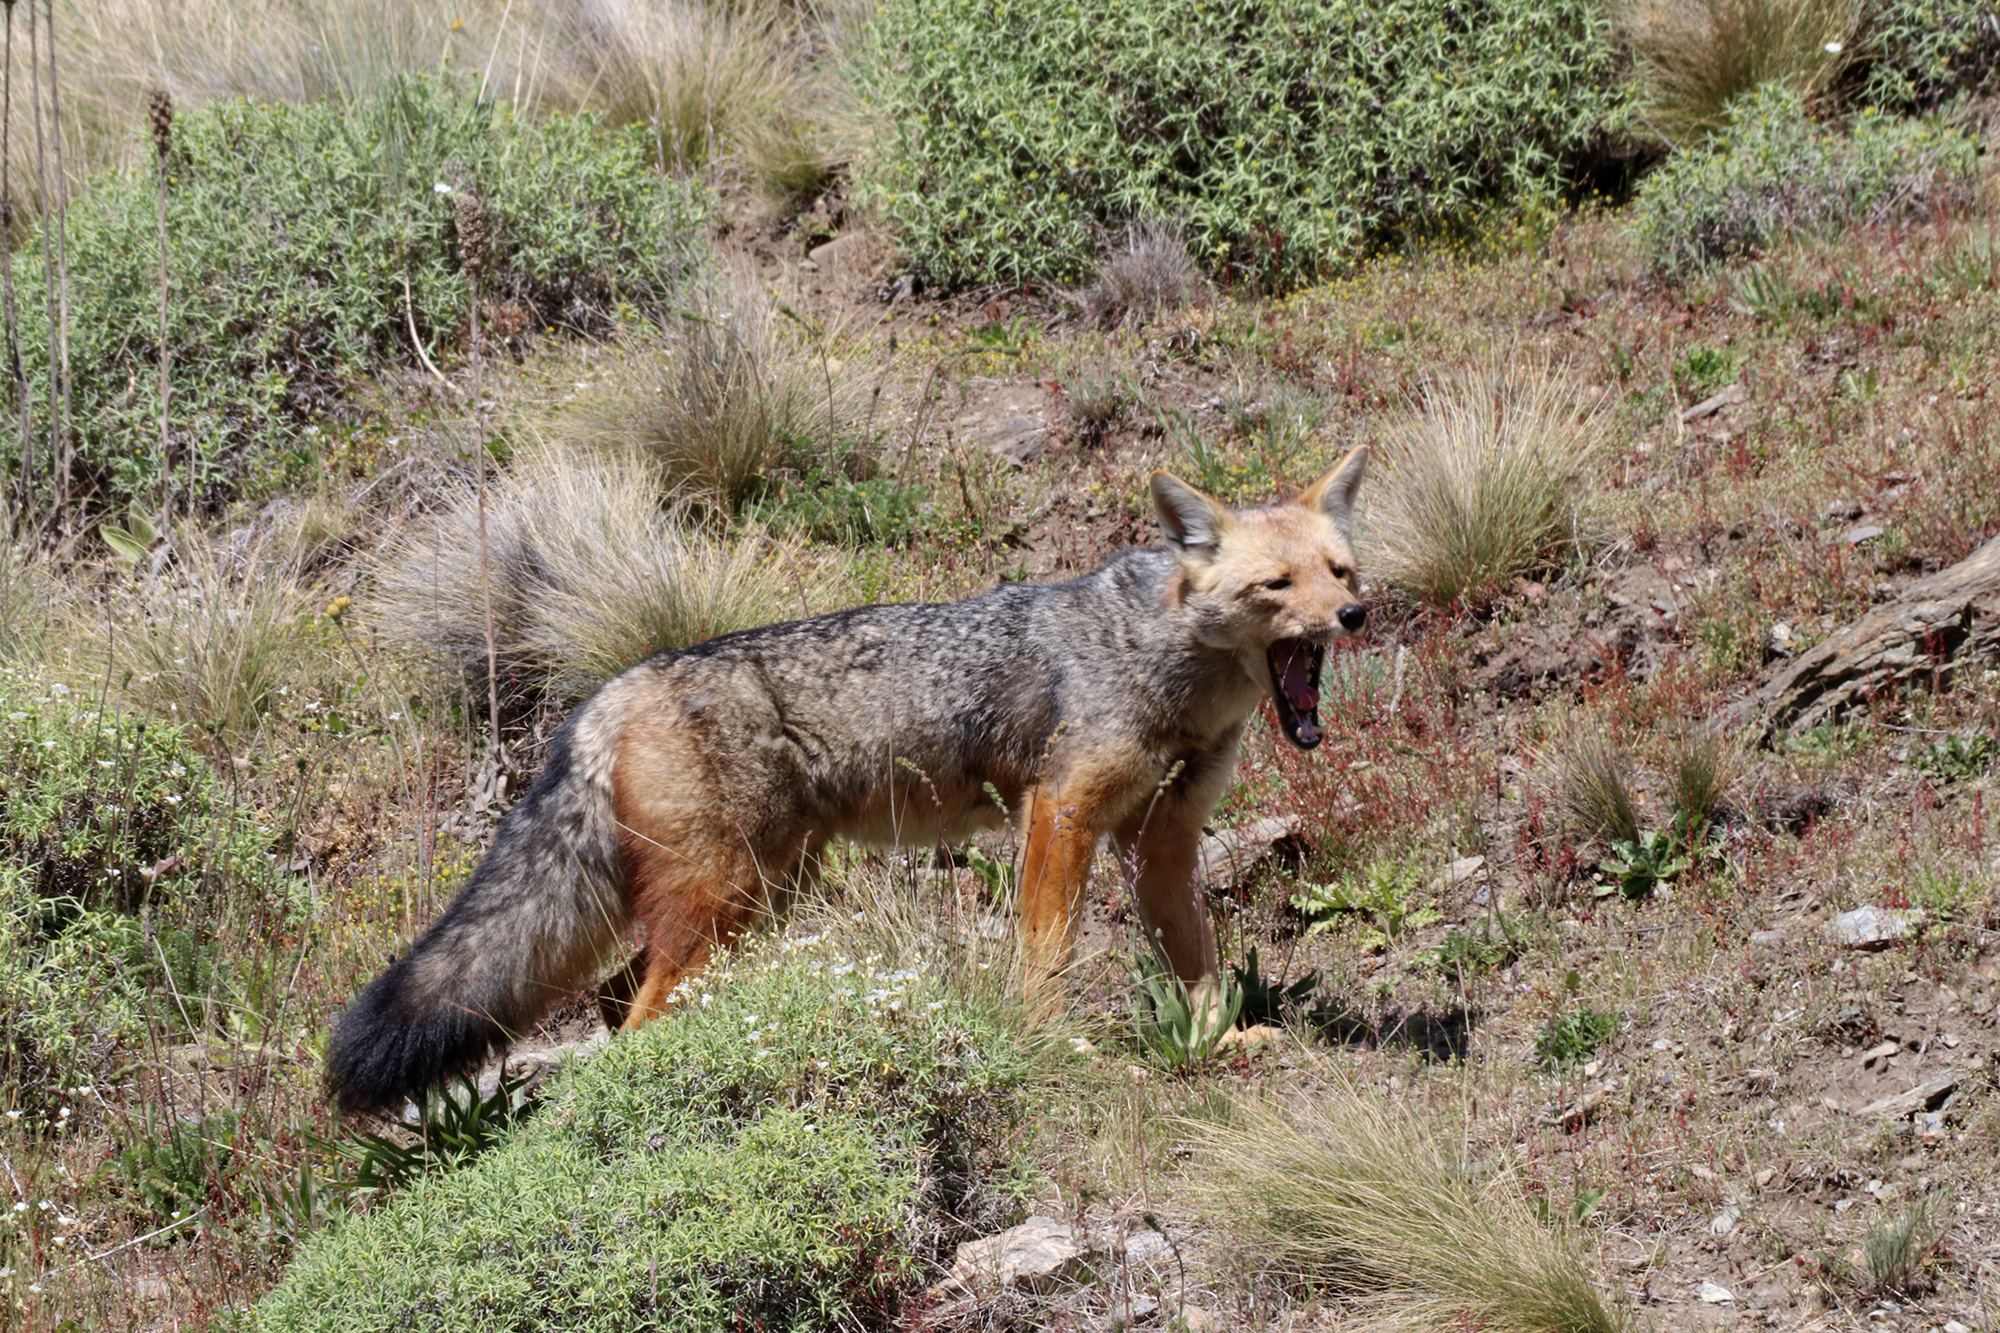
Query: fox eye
[(1277, 585), (1340, 571)]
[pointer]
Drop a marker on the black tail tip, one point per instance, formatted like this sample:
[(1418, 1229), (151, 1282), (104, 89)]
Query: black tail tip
[(386, 1051)]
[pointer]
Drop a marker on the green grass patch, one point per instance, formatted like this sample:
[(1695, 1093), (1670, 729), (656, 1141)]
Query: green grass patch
[(786, 1152), (309, 245), (1287, 136), (102, 818)]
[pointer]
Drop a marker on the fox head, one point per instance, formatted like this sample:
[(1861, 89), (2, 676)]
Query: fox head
[(1273, 586)]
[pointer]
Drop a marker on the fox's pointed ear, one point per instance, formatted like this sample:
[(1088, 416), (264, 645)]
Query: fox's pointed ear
[(1333, 494), (1194, 524)]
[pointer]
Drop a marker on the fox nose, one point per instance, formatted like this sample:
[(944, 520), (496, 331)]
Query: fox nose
[(1352, 617)]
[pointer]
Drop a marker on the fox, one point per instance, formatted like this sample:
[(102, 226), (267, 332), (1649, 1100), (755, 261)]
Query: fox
[(697, 789)]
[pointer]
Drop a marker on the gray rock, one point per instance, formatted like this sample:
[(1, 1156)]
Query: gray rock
[(1908, 1103), (1873, 927), (1037, 1255), (1866, 532)]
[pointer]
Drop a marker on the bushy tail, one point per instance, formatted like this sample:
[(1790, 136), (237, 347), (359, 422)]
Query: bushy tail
[(540, 918)]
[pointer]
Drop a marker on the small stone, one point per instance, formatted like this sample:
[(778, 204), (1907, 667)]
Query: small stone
[(1730, 395), (1465, 868), (1593, 1069), (1764, 1177), (1725, 1221), (1873, 927), (1768, 939), (1950, 1039), (1865, 532), (1126, 1313), (1147, 1247), (851, 251), (1712, 1294), (1953, 1326), (1198, 1319)]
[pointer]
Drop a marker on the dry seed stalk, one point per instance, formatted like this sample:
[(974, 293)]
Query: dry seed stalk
[(160, 113), (15, 372), (473, 246)]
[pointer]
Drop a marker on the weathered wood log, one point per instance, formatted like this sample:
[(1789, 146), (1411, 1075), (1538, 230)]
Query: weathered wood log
[(1940, 623)]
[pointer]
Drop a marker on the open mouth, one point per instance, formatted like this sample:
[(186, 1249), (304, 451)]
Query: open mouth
[(1295, 665)]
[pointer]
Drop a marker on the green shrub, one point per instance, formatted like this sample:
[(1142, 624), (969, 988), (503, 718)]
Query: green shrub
[(780, 1154), (1574, 1038), (1773, 172), (1921, 54), (309, 244), (102, 816), (1286, 135)]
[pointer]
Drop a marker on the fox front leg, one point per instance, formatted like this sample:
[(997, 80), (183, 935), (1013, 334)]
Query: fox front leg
[(1066, 815)]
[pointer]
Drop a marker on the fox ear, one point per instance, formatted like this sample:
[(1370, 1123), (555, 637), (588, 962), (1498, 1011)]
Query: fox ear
[(1333, 494), (1194, 524)]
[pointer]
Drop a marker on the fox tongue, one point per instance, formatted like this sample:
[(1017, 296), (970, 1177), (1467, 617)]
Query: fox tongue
[(1296, 676)]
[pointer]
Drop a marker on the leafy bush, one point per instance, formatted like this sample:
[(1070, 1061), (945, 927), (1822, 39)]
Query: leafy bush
[(1287, 135), (308, 245), (1773, 173), (781, 1154), (102, 815), (1922, 53)]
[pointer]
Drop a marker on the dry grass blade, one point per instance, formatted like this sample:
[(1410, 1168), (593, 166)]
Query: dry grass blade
[(1372, 1201), (1481, 484), (1696, 56), (1593, 778), (589, 575), (27, 597)]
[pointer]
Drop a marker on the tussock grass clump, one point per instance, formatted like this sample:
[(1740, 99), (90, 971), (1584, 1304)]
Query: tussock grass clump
[(1151, 275), (588, 573), (717, 402), (1695, 57), (215, 636), (1377, 1203), (695, 77), (790, 1150), (1773, 173), (1896, 1250), (1704, 763), (1594, 782), (1481, 484)]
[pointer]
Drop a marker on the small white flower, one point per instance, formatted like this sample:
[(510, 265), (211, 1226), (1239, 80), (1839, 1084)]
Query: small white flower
[(1834, 48), (441, 188), (58, 690), (22, 1206), (16, 717)]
